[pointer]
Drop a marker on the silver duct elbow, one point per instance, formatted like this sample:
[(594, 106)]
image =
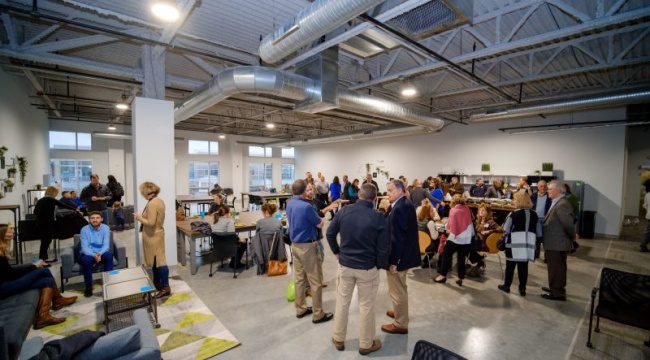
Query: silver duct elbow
[(314, 21), (565, 106), (374, 106)]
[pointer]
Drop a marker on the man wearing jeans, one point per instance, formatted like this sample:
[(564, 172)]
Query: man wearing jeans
[(303, 225), (364, 248), (95, 249)]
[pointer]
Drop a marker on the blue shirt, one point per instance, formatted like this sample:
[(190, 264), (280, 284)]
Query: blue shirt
[(95, 241), (335, 191), (302, 220), (437, 197)]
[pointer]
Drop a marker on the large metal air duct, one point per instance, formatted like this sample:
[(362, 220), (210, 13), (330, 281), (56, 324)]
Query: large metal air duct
[(565, 106), (312, 22), (261, 80)]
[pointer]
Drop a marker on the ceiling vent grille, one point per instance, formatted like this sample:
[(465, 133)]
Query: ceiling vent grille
[(432, 18)]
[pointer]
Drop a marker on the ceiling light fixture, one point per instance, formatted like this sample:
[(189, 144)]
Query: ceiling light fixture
[(165, 11), (270, 125), (112, 127), (222, 136), (121, 106), (408, 89)]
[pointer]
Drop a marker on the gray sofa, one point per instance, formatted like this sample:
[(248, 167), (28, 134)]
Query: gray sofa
[(17, 315), (148, 348)]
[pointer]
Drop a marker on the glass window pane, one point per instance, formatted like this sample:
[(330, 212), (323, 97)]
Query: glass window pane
[(201, 176), (255, 151), (214, 148), (268, 151), (84, 141), (256, 176), (84, 170), (214, 172), (288, 174), (288, 152), (63, 140), (196, 147)]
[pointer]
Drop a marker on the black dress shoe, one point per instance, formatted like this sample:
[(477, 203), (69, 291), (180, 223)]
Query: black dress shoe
[(546, 289), (554, 297), (504, 288), (88, 292), (325, 318), (307, 312), (522, 292)]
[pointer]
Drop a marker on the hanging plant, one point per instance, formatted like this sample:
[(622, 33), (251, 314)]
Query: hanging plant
[(485, 167), (3, 149), (11, 172), (22, 167), (9, 185)]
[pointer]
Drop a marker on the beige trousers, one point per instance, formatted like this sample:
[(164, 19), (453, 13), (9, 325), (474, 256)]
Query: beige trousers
[(308, 267), (399, 296), (367, 283)]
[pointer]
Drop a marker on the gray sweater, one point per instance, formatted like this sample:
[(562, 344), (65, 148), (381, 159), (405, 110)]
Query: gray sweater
[(268, 225), (224, 225)]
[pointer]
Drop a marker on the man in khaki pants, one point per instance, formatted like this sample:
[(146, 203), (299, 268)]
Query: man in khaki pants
[(303, 225), (404, 254), (363, 250)]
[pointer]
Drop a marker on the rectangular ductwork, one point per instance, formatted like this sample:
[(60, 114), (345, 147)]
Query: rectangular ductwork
[(323, 69)]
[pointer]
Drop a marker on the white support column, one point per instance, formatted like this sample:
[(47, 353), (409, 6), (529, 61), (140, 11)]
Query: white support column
[(153, 160), (153, 66)]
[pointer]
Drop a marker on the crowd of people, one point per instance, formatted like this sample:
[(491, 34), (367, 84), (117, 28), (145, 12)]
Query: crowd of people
[(367, 236)]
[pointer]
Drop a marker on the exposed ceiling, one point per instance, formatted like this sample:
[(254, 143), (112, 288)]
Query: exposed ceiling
[(83, 56)]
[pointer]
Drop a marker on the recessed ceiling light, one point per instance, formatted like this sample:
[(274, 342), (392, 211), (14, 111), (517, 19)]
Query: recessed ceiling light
[(112, 127), (270, 126), (121, 106), (222, 136), (165, 11), (409, 91)]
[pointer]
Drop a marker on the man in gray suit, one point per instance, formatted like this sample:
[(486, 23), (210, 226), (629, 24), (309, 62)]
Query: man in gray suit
[(559, 233)]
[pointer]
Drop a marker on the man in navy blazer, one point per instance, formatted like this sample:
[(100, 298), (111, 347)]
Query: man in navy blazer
[(404, 255)]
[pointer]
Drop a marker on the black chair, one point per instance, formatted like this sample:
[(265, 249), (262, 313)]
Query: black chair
[(224, 247), (425, 350), (622, 297), (28, 231)]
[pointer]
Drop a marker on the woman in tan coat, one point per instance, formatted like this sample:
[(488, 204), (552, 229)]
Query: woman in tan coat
[(153, 237)]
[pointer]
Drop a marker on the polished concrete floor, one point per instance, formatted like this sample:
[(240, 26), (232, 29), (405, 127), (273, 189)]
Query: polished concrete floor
[(477, 320)]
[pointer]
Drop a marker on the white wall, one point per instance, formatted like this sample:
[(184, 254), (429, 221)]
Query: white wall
[(596, 156), (23, 130), (638, 153)]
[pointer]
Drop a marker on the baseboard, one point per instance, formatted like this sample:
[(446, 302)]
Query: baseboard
[(606, 236)]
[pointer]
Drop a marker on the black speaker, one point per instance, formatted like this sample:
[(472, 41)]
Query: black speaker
[(587, 224)]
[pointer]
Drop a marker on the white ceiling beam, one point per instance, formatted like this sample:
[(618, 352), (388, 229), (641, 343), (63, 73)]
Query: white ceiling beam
[(570, 10), (383, 17), (509, 7), (448, 41), (391, 61), (204, 65), (70, 44), (477, 35), (616, 7), (170, 31), (514, 47), (550, 59), (39, 89), (521, 22), (45, 33), (633, 44), (10, 29)]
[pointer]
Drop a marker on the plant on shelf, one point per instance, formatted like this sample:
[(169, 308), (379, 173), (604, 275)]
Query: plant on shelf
[(547, 167), (11, 172), (22, 167), (485, 168), (3, 150), (9, 185), (38, 186)]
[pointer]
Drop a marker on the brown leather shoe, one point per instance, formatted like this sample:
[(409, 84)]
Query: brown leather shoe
[(390, 314), (44, 304), (164, 291), (376, 345), (392, 329), (58, 301), (339, 345)]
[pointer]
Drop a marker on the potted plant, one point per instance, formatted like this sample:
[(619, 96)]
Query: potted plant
[(9, 185), (485, 168), (3, 150), (547, 169), (22, 167), (38, 186), (11, 172)]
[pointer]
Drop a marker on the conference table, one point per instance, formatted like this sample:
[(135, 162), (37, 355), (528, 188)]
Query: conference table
[(264, 195), (244, 221)]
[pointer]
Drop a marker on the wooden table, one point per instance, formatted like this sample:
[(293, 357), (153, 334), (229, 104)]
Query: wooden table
[(201, 200), (245, 221), (265, 195), (15, 209)]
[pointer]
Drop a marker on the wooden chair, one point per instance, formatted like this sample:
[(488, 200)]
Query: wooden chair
[(425, 240), (491, 243)]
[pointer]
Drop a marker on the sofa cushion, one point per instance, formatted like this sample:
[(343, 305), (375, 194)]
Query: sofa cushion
[(16, 320), (113, 345), (26, 297)]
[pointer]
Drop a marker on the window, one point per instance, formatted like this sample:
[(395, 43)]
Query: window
[(288, 152), (197, 147), (202, 176), (260, 176), (260, 151), (65, 140), (70, 174), (288, 174)]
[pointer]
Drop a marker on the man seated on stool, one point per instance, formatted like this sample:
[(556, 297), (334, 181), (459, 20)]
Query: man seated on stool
[(95, 245)]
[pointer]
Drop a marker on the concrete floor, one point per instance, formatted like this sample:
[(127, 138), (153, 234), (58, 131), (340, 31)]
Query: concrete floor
[(477, 321)]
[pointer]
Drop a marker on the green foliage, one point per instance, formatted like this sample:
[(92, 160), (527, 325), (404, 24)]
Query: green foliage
[(485, 167), (547, 166)]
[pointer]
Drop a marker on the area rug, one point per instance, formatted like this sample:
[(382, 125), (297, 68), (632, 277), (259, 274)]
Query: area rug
[(188, 329)]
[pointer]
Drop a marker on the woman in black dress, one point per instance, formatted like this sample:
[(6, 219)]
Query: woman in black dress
[(44, 210)]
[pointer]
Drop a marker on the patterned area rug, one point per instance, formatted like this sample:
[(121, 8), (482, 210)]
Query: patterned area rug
[(188, 329)]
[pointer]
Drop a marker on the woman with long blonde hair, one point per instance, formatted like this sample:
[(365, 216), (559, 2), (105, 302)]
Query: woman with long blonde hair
[(18, 279)]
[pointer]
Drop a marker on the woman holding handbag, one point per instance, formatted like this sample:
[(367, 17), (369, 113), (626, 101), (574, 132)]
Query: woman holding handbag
[(153, 237), (520, 237), (461, 231)]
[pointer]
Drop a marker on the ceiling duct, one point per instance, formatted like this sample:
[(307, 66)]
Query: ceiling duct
[(566, 106), (316, 20), (433, 17), (324, 70)]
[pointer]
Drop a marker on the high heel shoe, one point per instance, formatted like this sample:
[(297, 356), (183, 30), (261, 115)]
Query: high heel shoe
[(440, 280), (459, 282)]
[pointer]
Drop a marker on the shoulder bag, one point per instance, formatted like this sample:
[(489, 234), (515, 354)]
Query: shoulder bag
[(276, 266)]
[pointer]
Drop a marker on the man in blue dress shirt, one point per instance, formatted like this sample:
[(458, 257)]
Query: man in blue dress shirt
[(95, 249)]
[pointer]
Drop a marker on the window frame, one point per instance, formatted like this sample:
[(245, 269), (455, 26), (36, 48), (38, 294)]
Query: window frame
[(70, 147), (209, 143), (211, 179), (80, 180)]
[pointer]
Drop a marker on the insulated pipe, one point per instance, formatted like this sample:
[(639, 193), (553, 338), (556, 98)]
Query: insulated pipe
[(312, 22), (262, 80), (565, 106)]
